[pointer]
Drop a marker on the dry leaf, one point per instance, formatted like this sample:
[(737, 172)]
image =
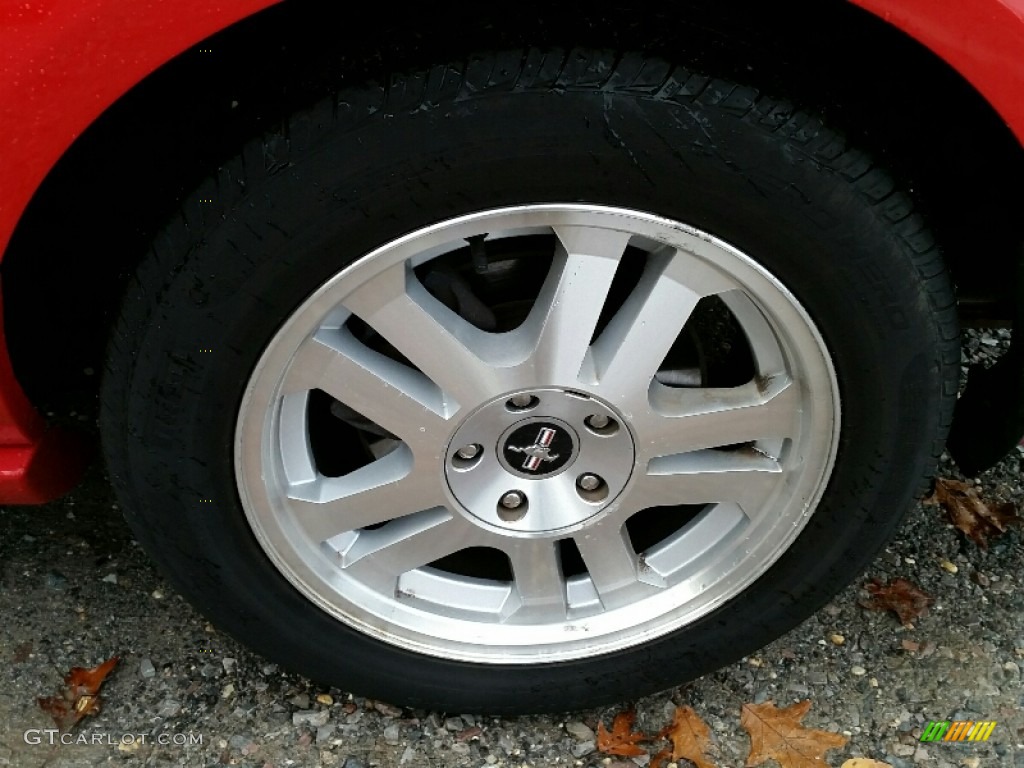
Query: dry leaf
[(79, 697), (622, 740), (776, 734), (970, 513), (864, 762), (690, 737), (900, 596)]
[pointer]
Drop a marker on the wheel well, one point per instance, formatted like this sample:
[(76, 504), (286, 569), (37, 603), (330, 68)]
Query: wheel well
[(69, 261)]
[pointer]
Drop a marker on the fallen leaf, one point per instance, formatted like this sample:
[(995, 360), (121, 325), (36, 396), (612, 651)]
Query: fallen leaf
[(970, 513), (864, 762), (690, 738), (776, 734), (900, 596), (469, 733), (622, 740), (910, 645), (80, 695)]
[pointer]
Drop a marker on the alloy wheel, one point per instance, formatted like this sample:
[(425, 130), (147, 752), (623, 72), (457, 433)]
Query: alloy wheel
[(550, 490)]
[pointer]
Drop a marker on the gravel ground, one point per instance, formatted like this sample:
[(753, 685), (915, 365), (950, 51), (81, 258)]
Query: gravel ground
[(77, 589)]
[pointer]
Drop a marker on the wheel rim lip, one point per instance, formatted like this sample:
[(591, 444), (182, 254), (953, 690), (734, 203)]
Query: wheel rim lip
[(462, 640)]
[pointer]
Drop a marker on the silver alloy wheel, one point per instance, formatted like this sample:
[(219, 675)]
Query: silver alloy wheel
[(470, 463)]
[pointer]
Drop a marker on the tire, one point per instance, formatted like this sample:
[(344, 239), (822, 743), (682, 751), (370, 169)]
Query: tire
[(399, 458)]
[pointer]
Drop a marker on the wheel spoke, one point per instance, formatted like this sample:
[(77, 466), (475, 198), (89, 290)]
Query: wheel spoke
[(388, 393), (538, 580), (379, 557), (462, 360), (632, 347), (566, 312), (386, 489), (685, 419), (745, 477), (611, 562)]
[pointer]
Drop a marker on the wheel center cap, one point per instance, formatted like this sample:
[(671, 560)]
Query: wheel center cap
[(539, 462), (538, 447)]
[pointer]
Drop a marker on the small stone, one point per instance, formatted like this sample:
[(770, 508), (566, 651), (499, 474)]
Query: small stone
[(873, 682), (971, 762), (579, 731), (127, 747), (305, 739), (300, 700), (324, 698), (581, 748), (454, 724), (314, 718), (228, 663), (754, 661), (239, 742), (110, 578), (228, 691), (269, 669), (904, 750), (921, 754), (56, 581), (837, 639), (979, 578), (460, 748), (157, 594), (168, 708), (909, 645), (947, 566), (392, 734), (407, 756), (386, 709), (324, 733), (146, 668), (1012, 667), (858, 670)]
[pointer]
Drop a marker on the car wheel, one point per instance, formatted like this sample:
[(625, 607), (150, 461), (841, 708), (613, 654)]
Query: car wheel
[(530, 383)]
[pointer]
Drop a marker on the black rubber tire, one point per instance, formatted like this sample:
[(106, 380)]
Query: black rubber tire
[(373, 163)]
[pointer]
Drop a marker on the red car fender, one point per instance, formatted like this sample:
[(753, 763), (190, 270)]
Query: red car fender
[(983, 40), (63, 62)]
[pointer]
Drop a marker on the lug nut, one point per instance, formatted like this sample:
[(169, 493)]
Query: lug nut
[(589, 482), (468, 452), (598, 421), (521, 401), (513, 500)]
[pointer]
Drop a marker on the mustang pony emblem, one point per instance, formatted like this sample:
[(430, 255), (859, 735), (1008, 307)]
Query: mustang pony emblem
[(540, 451)]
